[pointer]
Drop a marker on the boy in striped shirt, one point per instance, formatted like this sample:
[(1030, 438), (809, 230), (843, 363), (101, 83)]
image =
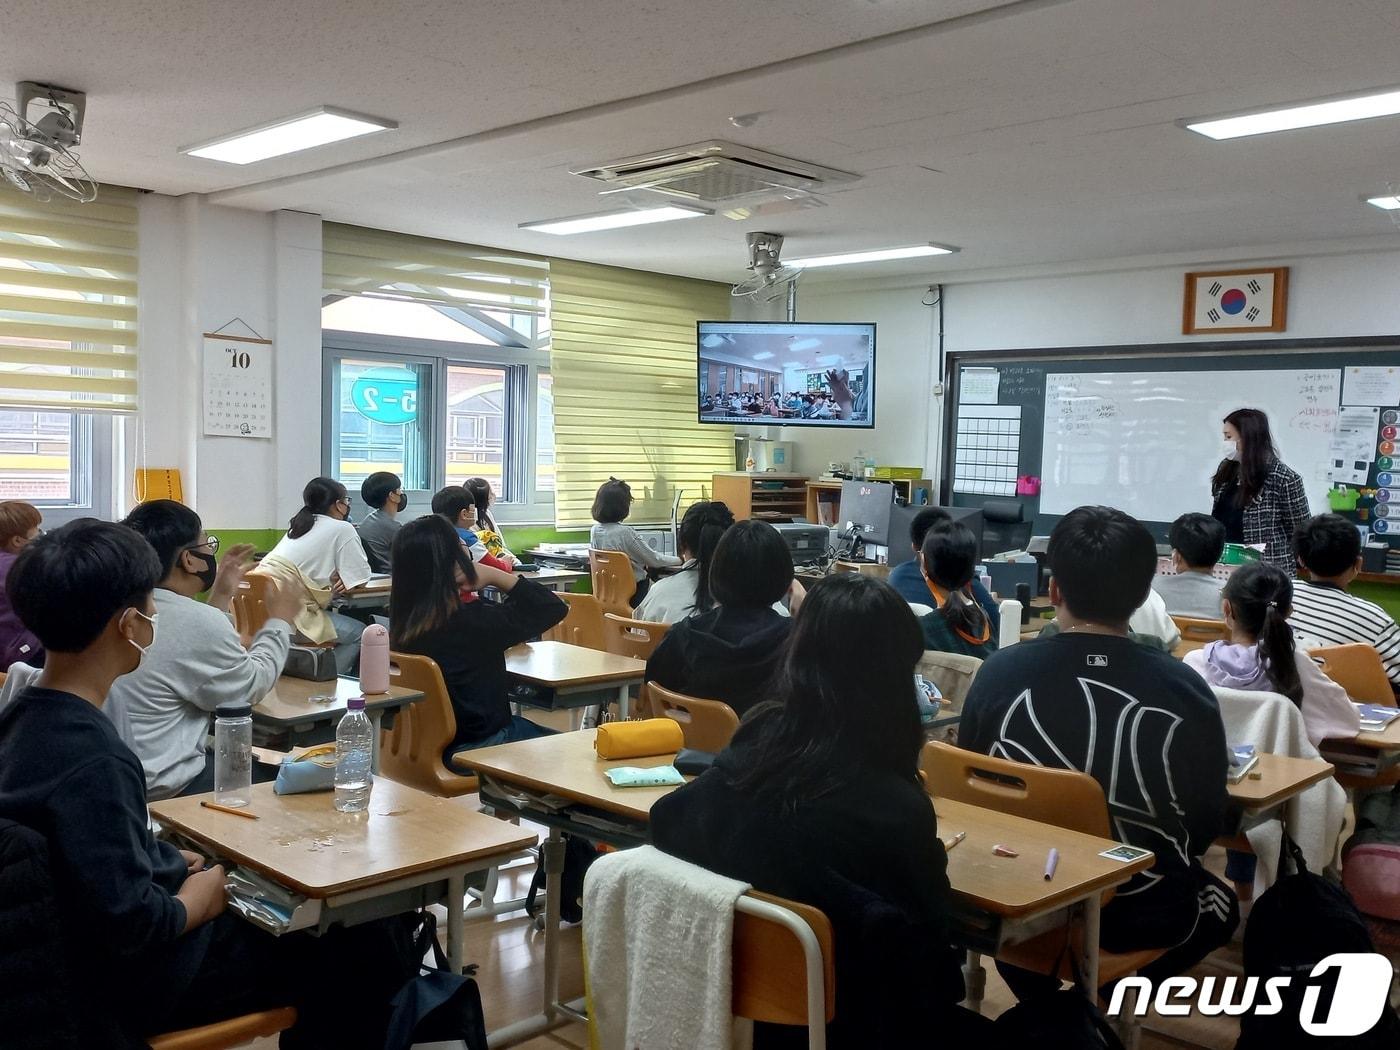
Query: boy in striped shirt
[(1329, 547)]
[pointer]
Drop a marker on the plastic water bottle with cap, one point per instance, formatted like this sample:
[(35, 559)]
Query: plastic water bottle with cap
[(233, 754), (354, 757)]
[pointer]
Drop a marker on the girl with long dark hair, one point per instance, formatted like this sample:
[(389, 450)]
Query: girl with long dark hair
[(466, 639), (1256, 496), (957, 623), (688, 591), (486, 529), (818, 799), (322, 554)]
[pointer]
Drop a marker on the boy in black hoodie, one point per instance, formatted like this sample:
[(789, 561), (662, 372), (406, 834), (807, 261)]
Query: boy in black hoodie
[(730, 652)]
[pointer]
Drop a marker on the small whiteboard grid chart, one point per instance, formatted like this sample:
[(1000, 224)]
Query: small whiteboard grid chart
[(989, 448)]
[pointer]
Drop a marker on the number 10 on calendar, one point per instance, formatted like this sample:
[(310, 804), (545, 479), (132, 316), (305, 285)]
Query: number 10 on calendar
[(237, 386)]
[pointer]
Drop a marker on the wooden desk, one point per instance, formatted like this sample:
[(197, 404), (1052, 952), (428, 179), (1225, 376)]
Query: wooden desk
[(407, 850), (1281, 777), (289, 706), (556, 579), (376, 591), (1368, 754), (575, 674), (558, 781), (373, 594)]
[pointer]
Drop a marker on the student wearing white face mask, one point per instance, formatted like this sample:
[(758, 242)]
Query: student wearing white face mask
[(1257, 497), (194, 661)]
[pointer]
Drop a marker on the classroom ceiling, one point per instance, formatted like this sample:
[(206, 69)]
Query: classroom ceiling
[(1031, 132)]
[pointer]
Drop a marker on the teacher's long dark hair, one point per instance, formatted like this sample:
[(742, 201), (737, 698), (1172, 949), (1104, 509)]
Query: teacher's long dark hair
[(843, 703), (1257, 455), (424, 589)]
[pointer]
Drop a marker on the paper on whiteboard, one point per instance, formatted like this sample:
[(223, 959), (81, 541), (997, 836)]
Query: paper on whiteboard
[(988, 450), (1353, 445), (1371, 385), (979, 386)]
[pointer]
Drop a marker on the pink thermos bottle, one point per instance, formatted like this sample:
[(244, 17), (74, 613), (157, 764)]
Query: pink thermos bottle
[(374, 660)]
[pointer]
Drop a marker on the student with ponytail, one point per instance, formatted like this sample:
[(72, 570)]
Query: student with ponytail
[(1260, 654), (688, 591), (957, 623)]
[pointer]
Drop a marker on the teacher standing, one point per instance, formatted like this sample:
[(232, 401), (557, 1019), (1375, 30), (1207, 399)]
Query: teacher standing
[(1257, 497)]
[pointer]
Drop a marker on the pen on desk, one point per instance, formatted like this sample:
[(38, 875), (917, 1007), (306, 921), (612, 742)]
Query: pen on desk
[(1051, 862), (955, 840), (229, 809)]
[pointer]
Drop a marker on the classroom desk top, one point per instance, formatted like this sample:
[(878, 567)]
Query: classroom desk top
[(289, 701), (301, 842), (567, 765), (1388, 739), (1014, 886), (1281, 777), (559, 664), (551, 575)]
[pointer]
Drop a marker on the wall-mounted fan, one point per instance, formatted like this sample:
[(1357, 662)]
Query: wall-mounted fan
[(37, 136), (770, 278)]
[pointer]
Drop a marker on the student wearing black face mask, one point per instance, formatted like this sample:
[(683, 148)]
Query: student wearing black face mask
[(383, 493), (195, 662)]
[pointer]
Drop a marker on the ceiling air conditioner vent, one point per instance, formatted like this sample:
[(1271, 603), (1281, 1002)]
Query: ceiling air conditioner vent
[(714, 172)]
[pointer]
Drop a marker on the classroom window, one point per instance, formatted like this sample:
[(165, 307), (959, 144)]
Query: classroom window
[(58, 461), (477, 406)]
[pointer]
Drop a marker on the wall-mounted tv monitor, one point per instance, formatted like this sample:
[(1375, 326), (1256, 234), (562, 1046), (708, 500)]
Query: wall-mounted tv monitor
[(785, 373)]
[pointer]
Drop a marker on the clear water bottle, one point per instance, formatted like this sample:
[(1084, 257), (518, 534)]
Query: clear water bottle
[(233, 754), (354, 757)]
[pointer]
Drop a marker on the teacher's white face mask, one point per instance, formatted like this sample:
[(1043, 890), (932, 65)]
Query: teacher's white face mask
[(1230, 451)]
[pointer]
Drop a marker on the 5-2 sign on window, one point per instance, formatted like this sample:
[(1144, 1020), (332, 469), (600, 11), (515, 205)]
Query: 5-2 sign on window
[(386, 395)]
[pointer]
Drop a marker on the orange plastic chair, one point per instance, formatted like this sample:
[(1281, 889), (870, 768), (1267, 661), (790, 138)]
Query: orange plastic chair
[(1201, 631), (250, 608), (613, 582), (777, 979), (1357, 668), (224, 1034), (582, 626), (411, 752), (635, 638), (707, 725), (1062, 797)]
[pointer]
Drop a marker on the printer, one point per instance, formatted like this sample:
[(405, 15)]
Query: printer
[(809, 544)]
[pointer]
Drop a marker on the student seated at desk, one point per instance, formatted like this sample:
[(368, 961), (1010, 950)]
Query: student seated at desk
[(142, 921), (383, 493), (198, 662), (908, 578), (1149, 625), (1260, 655), (688, 591), (467, 640), (458, 506), (1197, 542), (1329, 547), (818, 799), (730, 652), (487, 531), (322, 551), (19, 523), (957, 623), (611, 506), (1142, 724)]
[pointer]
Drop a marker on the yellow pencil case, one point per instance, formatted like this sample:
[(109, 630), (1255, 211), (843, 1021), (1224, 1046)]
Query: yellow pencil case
[(652, 736)]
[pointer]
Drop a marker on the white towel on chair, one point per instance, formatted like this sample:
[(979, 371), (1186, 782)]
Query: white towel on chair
[(658, 937)]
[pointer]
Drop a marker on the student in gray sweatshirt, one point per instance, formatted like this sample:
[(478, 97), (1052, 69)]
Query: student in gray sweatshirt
[(1197, 542), (196, 662)]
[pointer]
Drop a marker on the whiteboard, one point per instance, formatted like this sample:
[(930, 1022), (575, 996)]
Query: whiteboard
[(1148, 442)]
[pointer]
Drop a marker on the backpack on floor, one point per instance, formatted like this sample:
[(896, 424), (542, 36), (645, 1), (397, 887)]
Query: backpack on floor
[(436, 1006), (1371, 857), (1296, 923), (578, 855)]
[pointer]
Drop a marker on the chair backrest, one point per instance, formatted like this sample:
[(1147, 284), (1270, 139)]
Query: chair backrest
[(1357, 668), (582, 626), (411, 751), (778, 947), (613, 582), (250, 607), (951, 672), (1194, 629), (707, 725), (635, 638), (1065, 798)]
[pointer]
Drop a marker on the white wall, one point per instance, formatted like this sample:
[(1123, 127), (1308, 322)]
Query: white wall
[(1331, 295), (202, 266)]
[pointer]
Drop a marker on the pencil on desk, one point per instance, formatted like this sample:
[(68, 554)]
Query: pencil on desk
[(1051, 862), (955, 840), (229, 809)]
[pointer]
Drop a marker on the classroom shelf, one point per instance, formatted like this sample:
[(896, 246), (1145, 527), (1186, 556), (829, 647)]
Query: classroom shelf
[(770, 497)]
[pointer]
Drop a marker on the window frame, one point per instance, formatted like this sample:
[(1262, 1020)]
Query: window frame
[(91, 438), (523, 502)]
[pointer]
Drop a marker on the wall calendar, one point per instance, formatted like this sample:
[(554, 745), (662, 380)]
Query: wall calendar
[(237, 386)]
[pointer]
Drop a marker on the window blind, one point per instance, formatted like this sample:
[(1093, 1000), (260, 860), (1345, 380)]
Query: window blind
[(625, 404), (357, 260), (68, 334)]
